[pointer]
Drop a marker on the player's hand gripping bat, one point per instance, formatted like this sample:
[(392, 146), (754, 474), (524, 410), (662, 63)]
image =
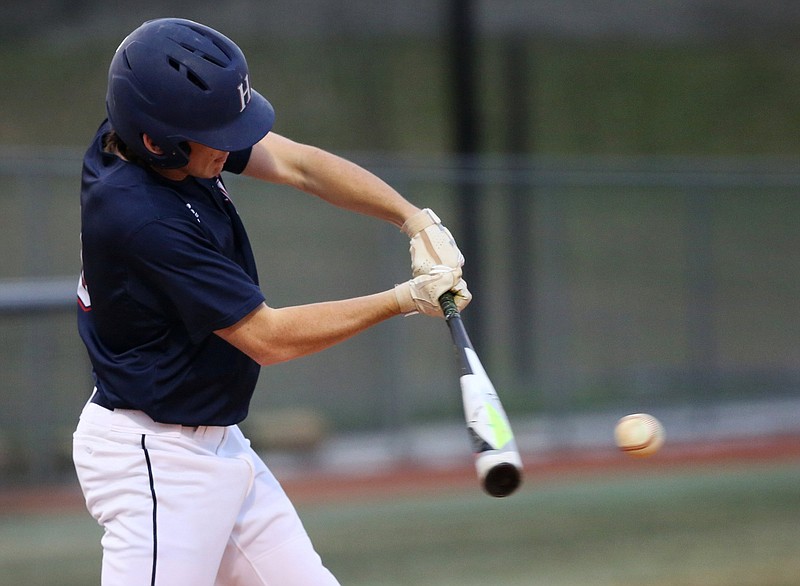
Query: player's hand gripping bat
[(497, 459)]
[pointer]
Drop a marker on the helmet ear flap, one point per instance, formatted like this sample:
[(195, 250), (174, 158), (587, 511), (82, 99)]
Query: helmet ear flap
[(175, 158)]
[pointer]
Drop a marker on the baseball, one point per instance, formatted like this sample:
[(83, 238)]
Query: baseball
[(639, 434)]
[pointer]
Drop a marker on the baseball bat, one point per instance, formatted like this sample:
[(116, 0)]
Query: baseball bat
[(497, 458)]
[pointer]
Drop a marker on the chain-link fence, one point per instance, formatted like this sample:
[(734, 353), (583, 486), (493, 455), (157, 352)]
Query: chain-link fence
[(597, 282)]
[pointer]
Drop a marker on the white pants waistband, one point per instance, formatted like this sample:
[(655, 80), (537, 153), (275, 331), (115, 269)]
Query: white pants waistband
[(139, 422)]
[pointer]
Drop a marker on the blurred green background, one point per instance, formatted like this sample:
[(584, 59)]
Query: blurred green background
[(623, 177), (718, 79)]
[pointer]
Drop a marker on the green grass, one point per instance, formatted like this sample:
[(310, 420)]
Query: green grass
[(717, 528), (49, 549), (732, 527)]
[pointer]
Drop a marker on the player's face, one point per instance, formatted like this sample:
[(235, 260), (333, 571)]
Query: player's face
[(204, 162)]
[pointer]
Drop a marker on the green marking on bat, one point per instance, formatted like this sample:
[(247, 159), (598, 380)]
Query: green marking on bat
[(502, 430)]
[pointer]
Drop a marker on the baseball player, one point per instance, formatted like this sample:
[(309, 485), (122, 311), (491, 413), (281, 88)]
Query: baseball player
[(177, 328)]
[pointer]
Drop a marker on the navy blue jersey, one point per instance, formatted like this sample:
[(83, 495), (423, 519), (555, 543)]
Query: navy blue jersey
[(165, 263)]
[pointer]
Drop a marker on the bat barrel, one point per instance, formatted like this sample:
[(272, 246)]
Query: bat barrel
[(497, 459)]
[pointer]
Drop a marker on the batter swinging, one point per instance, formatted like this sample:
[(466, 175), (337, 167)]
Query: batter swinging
[(175, 323)]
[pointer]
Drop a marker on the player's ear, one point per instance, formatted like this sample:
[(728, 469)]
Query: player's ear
[(151, 146)]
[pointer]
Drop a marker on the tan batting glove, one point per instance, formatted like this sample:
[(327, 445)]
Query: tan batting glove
[(431, 243), (421, 294)]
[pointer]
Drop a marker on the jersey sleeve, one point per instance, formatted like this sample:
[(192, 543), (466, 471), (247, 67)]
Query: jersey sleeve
[(237, 161), (207, 290)]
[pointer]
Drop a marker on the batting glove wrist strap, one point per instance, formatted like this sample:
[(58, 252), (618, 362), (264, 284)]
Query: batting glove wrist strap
[(402, 293), (420, 221)]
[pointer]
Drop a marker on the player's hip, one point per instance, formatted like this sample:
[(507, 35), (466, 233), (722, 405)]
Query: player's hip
[(126, 426), (120, 446)]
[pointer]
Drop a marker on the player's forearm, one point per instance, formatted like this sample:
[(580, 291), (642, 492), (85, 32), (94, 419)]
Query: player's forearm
[(270, 335), (349, 186), (327, 176)]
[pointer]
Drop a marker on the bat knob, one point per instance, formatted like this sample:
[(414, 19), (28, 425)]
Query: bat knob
[(502, 480)]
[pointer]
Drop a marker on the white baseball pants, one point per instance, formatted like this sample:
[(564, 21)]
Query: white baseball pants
[(188, 505)]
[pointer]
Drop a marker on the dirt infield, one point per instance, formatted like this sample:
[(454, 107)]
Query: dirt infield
[(408, 480)]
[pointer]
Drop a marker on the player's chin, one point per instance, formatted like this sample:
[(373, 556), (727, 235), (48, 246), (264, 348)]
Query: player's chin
[(211, 170), (219, 163)]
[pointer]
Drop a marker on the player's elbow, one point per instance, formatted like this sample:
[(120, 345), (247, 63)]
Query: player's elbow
[(271, 336), (263, 353), (254, 335), (269, 356)]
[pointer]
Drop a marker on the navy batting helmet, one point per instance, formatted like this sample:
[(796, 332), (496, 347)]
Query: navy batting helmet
[(177, 81)]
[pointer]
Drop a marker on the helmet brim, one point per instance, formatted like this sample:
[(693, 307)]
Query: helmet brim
[(244, 131)]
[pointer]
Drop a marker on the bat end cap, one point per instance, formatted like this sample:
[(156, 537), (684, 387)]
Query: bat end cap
[(502, 480)]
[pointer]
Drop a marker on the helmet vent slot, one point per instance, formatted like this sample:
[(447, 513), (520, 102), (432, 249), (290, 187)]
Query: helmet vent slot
[(204, 55), (190, 75), (196, 80), (211, 59)]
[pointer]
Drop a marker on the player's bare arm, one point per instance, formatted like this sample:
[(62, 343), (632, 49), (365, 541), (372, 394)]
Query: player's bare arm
[(269, 335), (342, 183)]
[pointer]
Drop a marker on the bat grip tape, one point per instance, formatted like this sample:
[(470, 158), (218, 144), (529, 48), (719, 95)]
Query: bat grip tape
[(448, 304)]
